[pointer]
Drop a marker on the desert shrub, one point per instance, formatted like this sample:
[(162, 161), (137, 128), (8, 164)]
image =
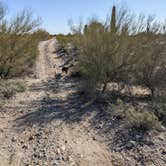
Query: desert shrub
[(106, 51), (65, 39), (9, 88), (136, 118), (19, 39), (159, 109), (150, 68), (41, 34), (142, 120), (17, 54)]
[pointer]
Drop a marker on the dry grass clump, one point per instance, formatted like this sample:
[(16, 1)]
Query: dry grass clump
[(8, 88), (159, 109), (136, 118)]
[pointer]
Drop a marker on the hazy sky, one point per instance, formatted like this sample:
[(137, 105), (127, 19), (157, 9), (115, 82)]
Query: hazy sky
[(56, 13)]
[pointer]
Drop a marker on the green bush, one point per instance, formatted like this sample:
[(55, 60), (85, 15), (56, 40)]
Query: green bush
[(104, 56), (19, 38), (159, 110), (65, 39), (9, 88), (105, 51), (135, 117), (17, 54), (150, 68), (142, 120)]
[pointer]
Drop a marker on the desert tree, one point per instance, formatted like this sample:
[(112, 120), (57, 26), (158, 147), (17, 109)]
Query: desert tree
[(104, 53), (151, 51)]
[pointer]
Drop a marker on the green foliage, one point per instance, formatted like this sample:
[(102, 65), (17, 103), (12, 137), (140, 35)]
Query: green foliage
[(65, 39), (19, 40), (104, 57), (8, 88), (134, 54), (150, 68), (159, 110), (135, 117), (18, 53), (142, 120)]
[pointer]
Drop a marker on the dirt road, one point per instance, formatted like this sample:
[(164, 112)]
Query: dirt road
[(44, 126)]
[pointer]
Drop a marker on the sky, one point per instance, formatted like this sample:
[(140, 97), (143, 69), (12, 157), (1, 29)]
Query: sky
[(56, 14)]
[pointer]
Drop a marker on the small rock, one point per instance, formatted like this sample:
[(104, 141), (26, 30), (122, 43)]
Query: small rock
[(94, 138), (161, 137), (164, 152), (14, 139), (59, 158), (22, 141), (69, 158), (101, 125), (131, 144), (163, 128), (80, 156), (35, 155), (63, 148), (40, 155), (137, 137), (25, 146), (30, 138), (58, 151), (149, 143), (55, 163)]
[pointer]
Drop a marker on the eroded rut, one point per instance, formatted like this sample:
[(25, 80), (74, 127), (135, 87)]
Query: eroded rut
[(44, 125)]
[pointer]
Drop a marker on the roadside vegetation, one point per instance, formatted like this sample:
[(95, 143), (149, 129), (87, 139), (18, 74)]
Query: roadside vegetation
[(19, 38), (65, 39), (9, 88), (127, 50)]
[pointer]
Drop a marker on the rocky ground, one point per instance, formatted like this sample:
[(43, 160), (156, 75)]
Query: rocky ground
[(49, 124), (42, 126)]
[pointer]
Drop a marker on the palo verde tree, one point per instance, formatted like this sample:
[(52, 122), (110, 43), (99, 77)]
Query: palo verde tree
[(104, 52)]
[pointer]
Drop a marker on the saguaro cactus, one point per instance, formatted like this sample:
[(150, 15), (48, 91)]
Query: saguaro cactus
[(113, 20)]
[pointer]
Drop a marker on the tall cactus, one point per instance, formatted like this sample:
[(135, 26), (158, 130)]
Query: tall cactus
[(85, 29), (148, 27), (113, 20)]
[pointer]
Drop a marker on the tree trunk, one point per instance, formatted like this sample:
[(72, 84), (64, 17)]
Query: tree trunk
[(152, 92)]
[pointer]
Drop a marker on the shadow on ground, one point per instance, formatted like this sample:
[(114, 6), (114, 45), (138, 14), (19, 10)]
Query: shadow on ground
[(55, 108), (70, 110)]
